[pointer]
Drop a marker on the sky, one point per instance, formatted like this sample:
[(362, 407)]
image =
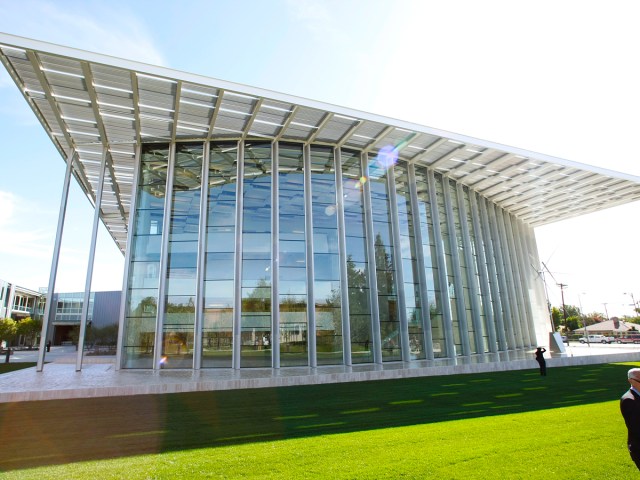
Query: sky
[(560, 78)]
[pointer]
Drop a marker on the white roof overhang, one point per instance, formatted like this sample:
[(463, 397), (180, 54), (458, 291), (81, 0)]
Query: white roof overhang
[(87, 101)]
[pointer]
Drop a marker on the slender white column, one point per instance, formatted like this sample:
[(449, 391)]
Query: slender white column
[(455, 261), (164, 254), (54, 262), (518, 281), (237, 287), (91, 261), (505, 298), (523, 273), (481, 263), (472, 276), (371, 260), (425, 314), (511, 279), (202, 239), (492, 273), (275, 257), (308, 218), (442, 268), (127, 257), (342, 249), (397, 261)]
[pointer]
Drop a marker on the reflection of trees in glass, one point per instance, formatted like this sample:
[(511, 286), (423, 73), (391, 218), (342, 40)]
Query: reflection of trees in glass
[(358, 301), (384, 267), (147, 307), (258, 299)]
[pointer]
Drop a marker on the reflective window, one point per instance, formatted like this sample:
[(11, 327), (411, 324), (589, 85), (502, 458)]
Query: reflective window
[(326, 258), (411, 280), (358, 284), (255, 322), (217, 327), (385, 261), (431, 263), (476, 244), (448, 262), (144, 270), (182, 259), (292, 284)]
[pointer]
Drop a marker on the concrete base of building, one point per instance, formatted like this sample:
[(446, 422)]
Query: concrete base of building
[(61, 381)]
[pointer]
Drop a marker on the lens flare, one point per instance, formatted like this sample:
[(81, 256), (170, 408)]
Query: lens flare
[(330, 210), (387, 157)]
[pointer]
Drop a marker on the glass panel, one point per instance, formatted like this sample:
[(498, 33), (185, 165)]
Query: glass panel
[(326, 259), (358, 284), (385, 262), (431, 263), (143, 283), (255, 322), (292, 285), (182, 260), (411, 280)]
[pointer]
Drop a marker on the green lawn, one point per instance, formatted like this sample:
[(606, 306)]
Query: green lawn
[(11, 367), (504, 424)]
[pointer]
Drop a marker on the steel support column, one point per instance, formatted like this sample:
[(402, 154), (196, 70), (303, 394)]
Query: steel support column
[(91, 261), (472, 274), (54, 261), (308, 219), (200, 268), (398, 274), (425, 314), (237, 286), (342, 249), (127, 257), (371, 260), (481, 262), (275, 254), (164, 255), (442, 268), (455, 260)]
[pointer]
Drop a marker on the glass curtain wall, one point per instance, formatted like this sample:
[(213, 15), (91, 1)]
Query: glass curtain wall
[(182, 258), (326, 257), (256, 257), (459, 245), (144, 271), (385, 262), (357, 268), (411, 280), (448, 262), (219, 251), (430, 263), (292, 283), (476, 244)]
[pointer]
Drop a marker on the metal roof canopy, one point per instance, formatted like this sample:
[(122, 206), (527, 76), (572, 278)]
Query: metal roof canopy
[(88, 101)]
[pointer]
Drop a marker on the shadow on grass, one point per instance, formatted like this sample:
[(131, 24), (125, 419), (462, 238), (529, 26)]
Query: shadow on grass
[(64, 431), (12, 367)]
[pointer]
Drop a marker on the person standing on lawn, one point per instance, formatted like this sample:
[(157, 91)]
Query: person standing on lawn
[(630, 408), (541, 361)]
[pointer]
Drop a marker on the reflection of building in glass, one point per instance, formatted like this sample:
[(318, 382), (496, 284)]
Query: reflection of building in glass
[(263, 230)]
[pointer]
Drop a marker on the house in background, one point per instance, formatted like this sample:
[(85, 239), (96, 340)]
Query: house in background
[(18, 302)]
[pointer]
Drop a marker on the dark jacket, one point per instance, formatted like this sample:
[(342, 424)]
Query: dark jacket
[(630, 408)]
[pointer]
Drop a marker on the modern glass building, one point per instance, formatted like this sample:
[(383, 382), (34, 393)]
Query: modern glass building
[(264, 230)]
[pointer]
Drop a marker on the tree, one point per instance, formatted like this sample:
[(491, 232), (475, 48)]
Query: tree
[(8, 331), (29, 329)]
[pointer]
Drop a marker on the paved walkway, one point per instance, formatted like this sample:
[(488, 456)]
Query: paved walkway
[(99, 378)]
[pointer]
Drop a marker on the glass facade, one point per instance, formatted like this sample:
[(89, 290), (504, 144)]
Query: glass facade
[(260, 254)]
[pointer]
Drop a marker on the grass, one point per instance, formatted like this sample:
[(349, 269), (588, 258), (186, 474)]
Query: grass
[(12, 367), (504, 424)]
